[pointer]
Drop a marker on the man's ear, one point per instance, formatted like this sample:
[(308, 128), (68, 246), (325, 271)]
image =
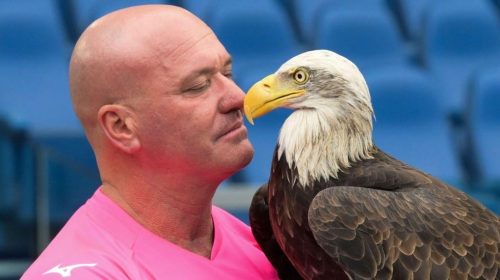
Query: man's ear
[(119, 125)]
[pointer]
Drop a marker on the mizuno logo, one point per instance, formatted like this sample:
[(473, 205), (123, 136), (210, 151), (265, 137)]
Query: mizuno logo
[(65, 271)]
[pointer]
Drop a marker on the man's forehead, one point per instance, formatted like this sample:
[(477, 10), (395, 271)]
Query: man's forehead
[(174, 39), (153, 25), (201, 51)]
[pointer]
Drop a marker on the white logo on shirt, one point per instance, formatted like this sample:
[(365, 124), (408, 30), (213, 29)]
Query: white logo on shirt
[(66, 270)]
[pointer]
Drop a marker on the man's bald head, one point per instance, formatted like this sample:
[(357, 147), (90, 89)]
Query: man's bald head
[(116, 52)]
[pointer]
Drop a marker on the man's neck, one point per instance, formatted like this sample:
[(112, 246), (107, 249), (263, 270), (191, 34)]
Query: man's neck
[(168, 213)]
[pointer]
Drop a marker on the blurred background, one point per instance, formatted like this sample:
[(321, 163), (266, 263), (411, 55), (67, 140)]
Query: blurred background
[(433, 69)]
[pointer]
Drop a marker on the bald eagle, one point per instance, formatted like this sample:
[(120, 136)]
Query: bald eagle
[(338, 207)]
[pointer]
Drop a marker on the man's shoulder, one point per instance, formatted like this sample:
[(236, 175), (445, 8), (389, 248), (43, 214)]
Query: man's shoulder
[(87, 265), (81, 249), (81, 255)]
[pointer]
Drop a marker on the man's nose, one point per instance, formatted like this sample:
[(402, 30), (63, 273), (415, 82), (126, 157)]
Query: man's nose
[(232, 96)]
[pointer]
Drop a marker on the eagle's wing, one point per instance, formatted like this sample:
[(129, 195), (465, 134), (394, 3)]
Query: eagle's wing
[(380, 234), (263, 233)]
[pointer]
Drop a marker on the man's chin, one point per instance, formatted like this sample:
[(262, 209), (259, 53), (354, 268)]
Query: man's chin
[(242, 158), (250, 153)]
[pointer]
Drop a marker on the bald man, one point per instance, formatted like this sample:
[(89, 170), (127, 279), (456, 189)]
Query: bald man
[(152, 87)]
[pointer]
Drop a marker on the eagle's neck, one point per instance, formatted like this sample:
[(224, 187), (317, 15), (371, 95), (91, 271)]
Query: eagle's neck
[(321, 143)]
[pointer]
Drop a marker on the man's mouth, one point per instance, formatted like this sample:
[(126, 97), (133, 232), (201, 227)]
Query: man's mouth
[(232, 128)]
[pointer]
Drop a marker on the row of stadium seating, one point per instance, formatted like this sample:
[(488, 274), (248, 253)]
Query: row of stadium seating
[(432, 67)]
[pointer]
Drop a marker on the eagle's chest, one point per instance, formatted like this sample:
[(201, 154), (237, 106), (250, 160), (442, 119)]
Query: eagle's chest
[(289, 202), (289, 206), (288, 211)]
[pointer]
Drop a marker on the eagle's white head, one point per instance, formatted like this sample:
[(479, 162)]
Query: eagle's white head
[(331, 125)]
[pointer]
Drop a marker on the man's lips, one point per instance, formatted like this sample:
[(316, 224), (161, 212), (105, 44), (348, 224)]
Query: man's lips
[(234, 125), (232, 128)]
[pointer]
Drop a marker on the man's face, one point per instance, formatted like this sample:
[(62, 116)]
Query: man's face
[(190, 113)]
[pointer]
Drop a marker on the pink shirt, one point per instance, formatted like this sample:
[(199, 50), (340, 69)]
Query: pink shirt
[(101, 241)]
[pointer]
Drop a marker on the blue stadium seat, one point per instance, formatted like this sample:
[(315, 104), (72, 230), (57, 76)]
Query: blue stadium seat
[(33, 69), (488, 199), (259, 38), (369, 38), (497, 3), (305, 13), (35, 103), (412, 14), (459, 37), (308, 12), (34, 58), (199, 8), (86, 11), (8, 194), (82, 14), (33, 90), (485, 102), (204, 9), (411, 122)]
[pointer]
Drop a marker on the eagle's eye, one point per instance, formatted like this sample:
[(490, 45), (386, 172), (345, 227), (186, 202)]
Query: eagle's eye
[(300, 76)]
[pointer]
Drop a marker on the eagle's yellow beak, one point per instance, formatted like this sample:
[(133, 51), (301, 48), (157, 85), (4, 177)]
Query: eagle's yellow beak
[(266, 95)]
